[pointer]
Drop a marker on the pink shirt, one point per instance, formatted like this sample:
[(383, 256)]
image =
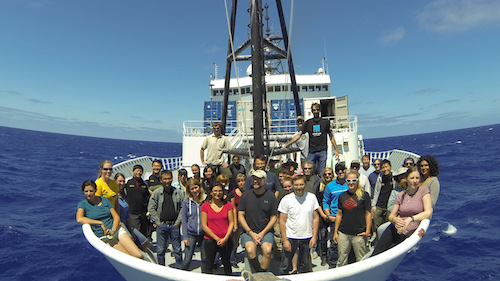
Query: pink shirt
[(411, 205), (218, 222)]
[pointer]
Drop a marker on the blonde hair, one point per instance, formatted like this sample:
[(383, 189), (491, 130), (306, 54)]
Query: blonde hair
[(102, 166), (222, 179), (323, 183), (241, 177), (359, 190), (192, 182)]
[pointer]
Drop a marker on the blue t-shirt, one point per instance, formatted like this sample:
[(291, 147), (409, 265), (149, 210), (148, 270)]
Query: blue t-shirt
[(96, 212), (124, 214), (331, 196)]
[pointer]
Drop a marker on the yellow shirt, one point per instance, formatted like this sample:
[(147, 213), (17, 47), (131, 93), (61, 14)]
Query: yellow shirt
[(109, 191)]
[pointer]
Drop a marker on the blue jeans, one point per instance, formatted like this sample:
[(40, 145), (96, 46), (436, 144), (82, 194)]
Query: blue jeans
[(189, 251), (332, 252), (303, 262), (318, 159), (163, 233)]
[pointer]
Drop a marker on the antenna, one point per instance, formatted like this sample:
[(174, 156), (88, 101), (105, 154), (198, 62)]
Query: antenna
[(215, 66)]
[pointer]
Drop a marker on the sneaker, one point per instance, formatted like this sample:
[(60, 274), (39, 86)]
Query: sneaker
[(247, 275), (235, 266), (314, 255)]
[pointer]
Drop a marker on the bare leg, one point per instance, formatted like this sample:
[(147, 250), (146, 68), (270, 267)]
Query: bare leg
[(128, 244), (295, 259), (267, 249)]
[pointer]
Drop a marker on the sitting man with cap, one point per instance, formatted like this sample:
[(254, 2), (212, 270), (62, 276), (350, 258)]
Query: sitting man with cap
[(138, 197), (257, 214)]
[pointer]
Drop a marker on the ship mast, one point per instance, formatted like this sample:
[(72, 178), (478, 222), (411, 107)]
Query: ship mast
[(257, 42)]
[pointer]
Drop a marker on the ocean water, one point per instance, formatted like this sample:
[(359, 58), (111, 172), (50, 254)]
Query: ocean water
[(40, 239)]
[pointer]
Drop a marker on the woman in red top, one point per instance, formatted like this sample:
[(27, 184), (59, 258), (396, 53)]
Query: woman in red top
[(217, 221)]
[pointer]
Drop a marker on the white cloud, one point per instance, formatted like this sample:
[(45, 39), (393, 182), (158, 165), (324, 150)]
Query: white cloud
[(459, 15), (394, 36)]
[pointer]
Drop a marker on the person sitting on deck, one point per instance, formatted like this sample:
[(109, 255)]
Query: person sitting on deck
[(104, 220), (383, 188), (272, 183), (257, 214), (412, 205)]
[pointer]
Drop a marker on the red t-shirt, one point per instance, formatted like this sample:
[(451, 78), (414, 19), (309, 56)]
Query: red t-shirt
[(217, 222)]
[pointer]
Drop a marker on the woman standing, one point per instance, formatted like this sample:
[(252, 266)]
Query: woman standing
[(217, 222), (208, 178), (192, 230), (181, 180), (234, 196), (106, 186), (411, 206), (429, 170), (105, 222), (354, 220), (326, 178)]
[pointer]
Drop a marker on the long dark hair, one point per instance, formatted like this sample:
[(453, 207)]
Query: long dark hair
[(433, 165), (209, 198)]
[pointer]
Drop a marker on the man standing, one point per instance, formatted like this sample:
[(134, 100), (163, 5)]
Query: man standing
[(154, 180), (257, 212), (383, 188), (236, 168), (302, 143), (299, 223), (372, 178), (272, 183), (367, 168), (318, 129), (330, 207), (138, 196), (312, 180), (214, 144), (165, 210)]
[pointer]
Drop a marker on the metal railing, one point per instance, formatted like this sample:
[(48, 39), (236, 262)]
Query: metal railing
[(125, 167), (195, 128), (396, 156)]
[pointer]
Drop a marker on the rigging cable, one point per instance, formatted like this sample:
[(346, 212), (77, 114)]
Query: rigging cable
[(237, 79)]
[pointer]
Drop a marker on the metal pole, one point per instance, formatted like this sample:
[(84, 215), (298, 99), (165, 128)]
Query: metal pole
[(257, 74), (228, 69)]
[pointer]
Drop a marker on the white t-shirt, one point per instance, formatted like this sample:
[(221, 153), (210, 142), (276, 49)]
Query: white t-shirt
[(365, 184), (299, 210), (367, 173)]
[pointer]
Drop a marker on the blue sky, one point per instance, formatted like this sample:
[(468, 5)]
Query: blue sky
[(138, 69)]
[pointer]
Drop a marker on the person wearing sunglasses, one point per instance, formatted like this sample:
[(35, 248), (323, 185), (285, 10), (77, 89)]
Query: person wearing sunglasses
[(354, 219), (330, 206), (377, 164), (408, 162), (326, 178), (107, 187)]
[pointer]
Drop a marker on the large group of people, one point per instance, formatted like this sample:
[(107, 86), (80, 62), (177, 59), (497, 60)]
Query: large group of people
[(299, 214)]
